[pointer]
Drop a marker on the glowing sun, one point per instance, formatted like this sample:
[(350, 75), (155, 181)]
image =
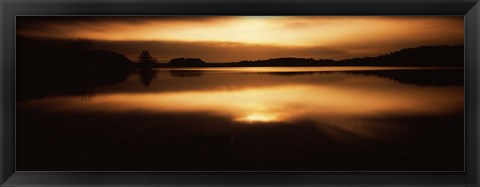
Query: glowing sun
[(258, 118)]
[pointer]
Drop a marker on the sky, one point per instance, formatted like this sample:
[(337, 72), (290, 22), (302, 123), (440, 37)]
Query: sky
[(236, 38)]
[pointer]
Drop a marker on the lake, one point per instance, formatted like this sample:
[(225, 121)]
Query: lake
[(251, 119)]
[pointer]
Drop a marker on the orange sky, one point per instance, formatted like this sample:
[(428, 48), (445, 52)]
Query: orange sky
[(234, 38)]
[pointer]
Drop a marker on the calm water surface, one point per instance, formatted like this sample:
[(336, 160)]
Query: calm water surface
[(269, 119)]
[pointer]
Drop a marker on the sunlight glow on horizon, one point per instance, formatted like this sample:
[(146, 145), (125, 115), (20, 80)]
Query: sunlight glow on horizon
[(334, 37), (262, 30)]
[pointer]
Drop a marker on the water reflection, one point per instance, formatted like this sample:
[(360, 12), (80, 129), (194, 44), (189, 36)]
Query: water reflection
[(432, 77), (340, 98), (146, 76), (240, 113), (186, 73)]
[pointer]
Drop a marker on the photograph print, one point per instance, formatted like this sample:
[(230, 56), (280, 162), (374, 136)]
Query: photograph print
[(240, 93)]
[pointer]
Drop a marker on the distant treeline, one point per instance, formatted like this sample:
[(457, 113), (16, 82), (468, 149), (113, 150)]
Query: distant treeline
[(439, 56)]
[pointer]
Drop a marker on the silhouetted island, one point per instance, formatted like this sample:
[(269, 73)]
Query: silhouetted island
[(187, 62)]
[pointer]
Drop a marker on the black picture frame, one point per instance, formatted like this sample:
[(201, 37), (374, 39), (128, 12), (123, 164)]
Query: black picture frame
[(10, 9)]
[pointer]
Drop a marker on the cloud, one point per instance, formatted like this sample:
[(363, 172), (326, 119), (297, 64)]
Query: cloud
[(40, 22), (234, 38)]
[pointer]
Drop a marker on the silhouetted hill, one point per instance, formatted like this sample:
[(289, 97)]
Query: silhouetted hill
[(73, 68), (107, 59), (451, 56), (439, 56), (106, 67)]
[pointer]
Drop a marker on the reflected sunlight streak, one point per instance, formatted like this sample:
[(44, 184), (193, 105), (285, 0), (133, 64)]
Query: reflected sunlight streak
[(282, 103)]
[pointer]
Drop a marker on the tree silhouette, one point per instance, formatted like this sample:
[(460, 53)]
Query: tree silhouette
[(145, 60)]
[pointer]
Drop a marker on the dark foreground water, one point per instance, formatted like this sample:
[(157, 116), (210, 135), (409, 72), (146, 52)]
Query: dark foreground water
[(250, 119)]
